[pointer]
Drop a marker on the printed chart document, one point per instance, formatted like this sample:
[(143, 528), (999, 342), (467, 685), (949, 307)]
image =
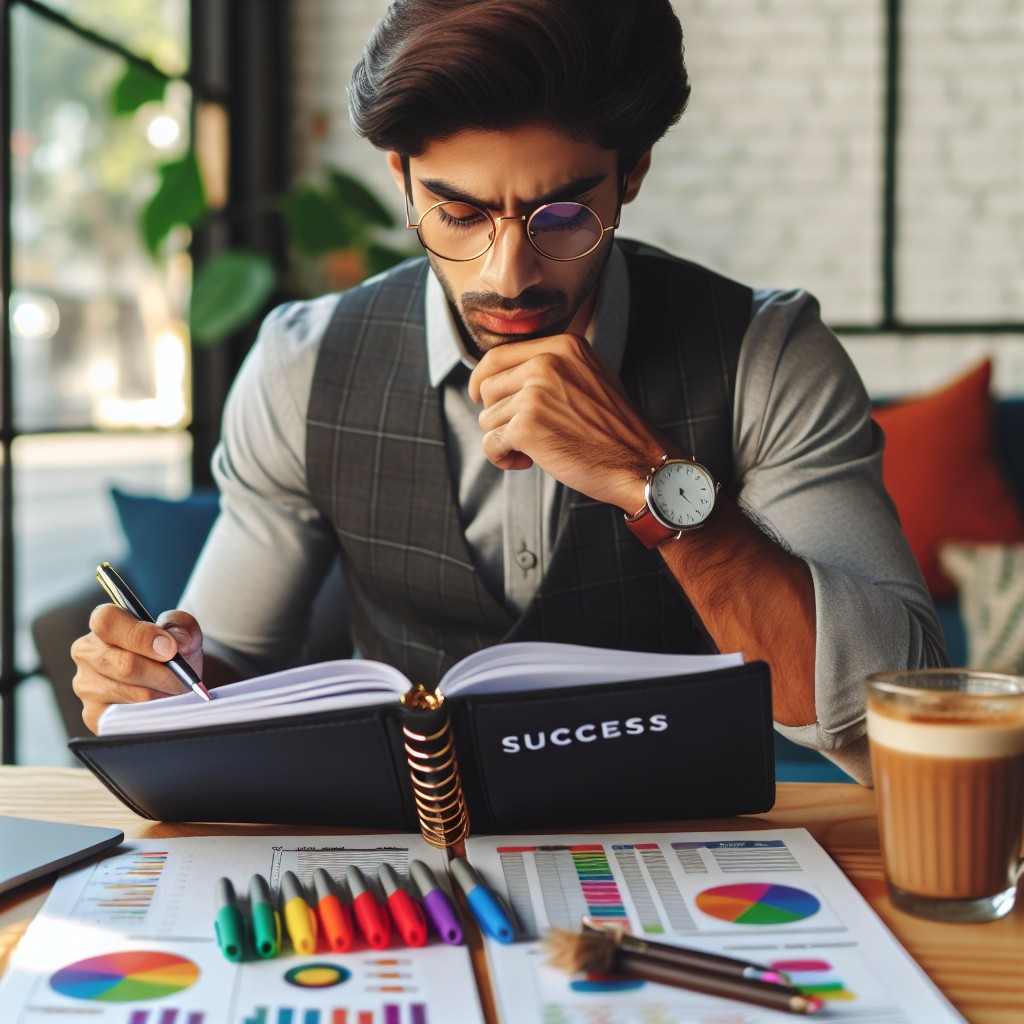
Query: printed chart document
[(130, 940), (772, 897)]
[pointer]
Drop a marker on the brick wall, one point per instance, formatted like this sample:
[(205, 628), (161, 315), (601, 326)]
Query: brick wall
[(774, 174)]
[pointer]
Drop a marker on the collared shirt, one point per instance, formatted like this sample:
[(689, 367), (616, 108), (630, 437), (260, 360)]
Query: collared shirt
[(806, 460), (510, 519)]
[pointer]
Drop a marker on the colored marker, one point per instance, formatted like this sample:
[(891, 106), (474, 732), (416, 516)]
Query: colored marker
[(266, 921), (436, 903), (486, 907), (373, 922), (229, 925), (335, 917), (406, 912), (299, 918)]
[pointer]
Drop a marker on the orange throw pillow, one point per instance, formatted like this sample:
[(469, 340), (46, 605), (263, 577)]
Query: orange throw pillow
[(942, 471)]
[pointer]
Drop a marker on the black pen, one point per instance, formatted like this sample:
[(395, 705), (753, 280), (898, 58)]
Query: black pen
[(121, 594)]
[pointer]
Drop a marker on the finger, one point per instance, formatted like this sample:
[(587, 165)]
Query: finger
[(502, 452), (188, 637), (106, 668), (120, 629), (505, 357), (98, 690)]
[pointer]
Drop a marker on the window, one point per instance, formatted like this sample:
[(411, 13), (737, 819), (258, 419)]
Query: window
[(97, 354), (101, 384)]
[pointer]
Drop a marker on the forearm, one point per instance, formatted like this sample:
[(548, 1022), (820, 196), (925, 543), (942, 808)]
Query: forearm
[(752, 596)]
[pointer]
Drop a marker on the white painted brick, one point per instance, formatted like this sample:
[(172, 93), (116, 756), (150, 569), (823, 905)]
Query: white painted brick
[(774, 174)]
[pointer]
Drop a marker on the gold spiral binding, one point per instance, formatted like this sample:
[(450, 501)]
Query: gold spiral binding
[(434, 774)]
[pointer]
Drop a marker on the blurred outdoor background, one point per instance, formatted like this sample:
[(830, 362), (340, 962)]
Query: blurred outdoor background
[(871, 151)]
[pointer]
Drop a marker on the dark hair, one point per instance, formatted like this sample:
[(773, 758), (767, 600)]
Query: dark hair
[(606, 70)]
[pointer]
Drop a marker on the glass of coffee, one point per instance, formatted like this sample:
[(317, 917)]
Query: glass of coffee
[(947, 752)]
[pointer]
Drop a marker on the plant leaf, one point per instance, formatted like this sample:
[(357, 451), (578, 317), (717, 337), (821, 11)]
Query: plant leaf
[(135, 88), (316, 224), (358, 201), (383, 257), (178, 199), (228, 292)]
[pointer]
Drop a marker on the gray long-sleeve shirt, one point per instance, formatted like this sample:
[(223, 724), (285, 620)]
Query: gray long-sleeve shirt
[(807, 461)]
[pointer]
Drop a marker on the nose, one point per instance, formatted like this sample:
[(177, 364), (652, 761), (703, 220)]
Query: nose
[(511, 265)]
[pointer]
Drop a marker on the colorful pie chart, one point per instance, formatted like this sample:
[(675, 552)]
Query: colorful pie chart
[(758, 903), (125, 977), (317, 975)]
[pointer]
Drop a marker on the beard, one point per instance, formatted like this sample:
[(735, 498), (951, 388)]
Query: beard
[(557, 308)]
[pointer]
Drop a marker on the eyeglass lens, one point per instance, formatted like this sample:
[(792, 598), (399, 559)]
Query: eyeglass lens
[(562, 231)]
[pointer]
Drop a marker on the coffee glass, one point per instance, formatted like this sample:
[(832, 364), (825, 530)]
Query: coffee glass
[(947, 753)]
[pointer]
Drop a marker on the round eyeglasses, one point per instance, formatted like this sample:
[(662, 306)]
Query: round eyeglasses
[(459, 232)]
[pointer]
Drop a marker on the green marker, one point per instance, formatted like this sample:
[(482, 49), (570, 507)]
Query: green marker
[(266, 922), (229, 923)]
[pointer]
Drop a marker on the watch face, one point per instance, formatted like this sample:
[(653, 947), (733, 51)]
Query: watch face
[(681, 494)]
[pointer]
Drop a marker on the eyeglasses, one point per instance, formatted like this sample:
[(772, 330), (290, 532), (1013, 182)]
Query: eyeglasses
[(460, 232)]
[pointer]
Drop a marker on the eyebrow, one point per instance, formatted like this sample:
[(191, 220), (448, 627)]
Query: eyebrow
[(560, 194)]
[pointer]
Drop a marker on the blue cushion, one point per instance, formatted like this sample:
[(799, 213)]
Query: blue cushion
[(953, 631), (794, 763), (164, 539)]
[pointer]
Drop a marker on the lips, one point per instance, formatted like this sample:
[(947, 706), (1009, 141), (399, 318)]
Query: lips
[(510, 323)]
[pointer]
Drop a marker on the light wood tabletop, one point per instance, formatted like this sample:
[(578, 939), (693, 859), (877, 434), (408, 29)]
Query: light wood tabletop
[(979, 967)]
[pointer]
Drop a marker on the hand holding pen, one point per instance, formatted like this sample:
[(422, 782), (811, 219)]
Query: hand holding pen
[(121, 595)]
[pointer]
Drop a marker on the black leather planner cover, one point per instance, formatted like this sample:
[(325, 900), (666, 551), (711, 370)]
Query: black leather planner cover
[(665, 749)]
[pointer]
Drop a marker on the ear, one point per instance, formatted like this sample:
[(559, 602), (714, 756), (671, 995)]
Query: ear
[(395, 167), (636, 177)]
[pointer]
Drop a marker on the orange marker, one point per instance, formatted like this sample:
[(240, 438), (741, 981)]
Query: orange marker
[(407, 914), (335, 917)]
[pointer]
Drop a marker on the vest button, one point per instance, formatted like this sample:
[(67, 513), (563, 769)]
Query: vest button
[(526, 560)]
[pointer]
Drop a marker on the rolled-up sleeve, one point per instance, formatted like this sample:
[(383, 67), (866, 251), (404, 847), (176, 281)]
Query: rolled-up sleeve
[(809, 469)]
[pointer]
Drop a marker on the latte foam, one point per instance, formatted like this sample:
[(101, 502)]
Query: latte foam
[(947, 736)]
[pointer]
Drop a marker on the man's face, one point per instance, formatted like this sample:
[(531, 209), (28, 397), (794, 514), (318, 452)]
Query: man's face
[(512, 292)]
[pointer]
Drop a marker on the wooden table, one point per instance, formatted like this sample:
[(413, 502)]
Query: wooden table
[(979, 967)]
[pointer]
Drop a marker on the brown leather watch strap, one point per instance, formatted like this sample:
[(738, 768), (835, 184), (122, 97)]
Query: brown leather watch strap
[(647, 529)]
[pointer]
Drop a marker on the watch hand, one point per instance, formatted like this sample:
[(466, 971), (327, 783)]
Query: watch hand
[(682, 494)]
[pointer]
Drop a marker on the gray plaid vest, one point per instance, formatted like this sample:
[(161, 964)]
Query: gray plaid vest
[(378, 471)]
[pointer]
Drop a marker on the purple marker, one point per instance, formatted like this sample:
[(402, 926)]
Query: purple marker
[(436, 903)]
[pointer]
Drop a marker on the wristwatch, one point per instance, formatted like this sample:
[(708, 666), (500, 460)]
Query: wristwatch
[(680, 496)]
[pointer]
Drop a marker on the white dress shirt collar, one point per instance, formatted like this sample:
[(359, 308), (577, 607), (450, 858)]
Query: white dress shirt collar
[(606, 330)]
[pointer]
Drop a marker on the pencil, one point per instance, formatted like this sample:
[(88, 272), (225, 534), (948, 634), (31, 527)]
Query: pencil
[(694, 958), (599, 951)]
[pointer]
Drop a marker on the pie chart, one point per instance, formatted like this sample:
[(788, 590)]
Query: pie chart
[(125, 977), (757, 903)]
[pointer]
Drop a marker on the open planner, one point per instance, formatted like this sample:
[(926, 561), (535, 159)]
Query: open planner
[(521, 735), (130, 939)]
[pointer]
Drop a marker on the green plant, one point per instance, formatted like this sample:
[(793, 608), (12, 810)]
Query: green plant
[(334, 231)]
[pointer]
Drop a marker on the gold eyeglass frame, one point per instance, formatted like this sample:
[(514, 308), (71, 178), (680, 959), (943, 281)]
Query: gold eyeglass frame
[(522, 217)]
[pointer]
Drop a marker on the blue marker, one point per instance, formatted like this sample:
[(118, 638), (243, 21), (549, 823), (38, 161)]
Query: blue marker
[(486, 907)]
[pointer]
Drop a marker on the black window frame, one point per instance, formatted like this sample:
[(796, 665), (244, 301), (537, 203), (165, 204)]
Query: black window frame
[(240, 58)]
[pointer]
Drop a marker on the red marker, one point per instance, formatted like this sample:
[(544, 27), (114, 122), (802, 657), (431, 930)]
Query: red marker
[(335, 917), (373, 922), (404, 909)]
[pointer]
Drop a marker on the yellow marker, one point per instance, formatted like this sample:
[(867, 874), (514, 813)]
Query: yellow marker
[(299, 918)]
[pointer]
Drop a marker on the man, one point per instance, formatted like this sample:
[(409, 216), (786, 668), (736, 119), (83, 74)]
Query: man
[(476, 437)]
